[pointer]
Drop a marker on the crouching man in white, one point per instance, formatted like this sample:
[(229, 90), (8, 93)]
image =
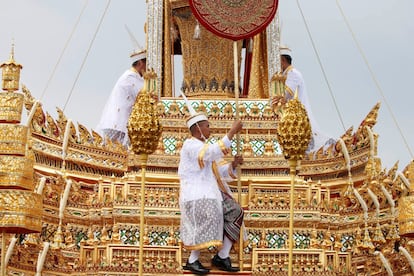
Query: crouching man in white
[(209, 214)]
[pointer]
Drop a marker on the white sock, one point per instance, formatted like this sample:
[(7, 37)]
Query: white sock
[(193, 256), (225, 250)]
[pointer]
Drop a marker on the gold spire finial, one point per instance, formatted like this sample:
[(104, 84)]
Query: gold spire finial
[(11, 73), (12, 52)]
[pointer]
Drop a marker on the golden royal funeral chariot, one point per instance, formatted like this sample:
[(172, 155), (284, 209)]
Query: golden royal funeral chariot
[(74, 205)]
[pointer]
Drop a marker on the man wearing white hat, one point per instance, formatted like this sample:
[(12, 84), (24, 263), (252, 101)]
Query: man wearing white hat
[(209, 214), (115, 115), (295, 82), (294, 79)]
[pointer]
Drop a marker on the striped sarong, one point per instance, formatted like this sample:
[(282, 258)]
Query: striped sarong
[(233, 217)]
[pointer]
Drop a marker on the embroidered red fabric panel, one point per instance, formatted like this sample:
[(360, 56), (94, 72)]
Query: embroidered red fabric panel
[(234, 19)]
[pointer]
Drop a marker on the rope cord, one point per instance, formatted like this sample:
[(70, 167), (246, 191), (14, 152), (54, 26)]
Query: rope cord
[(87, 53), (63, 51), (374, 79), (320, 64)]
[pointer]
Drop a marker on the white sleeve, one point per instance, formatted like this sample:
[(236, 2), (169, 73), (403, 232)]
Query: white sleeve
[(293, 81)]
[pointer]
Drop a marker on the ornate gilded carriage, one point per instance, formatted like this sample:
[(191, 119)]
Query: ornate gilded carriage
[(71, 202)]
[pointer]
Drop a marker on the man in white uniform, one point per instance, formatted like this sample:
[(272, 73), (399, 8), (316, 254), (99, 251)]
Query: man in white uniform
[(294, 82), (209, 214), (115, 115)]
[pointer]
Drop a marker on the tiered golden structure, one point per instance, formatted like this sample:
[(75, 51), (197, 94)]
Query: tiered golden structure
[(20, 207), (351, 216)]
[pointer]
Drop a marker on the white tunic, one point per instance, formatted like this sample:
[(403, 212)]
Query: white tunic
[(119, 105), (200, 196), (294, 80)]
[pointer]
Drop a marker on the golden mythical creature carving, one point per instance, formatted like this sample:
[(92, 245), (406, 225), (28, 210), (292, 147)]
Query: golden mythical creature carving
[(97, 139), (29, 100), (52, 127), (61, 121), (85, 137)]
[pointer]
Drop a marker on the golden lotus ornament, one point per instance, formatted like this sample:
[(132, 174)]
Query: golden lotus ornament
[(294, 130), (144, 128)]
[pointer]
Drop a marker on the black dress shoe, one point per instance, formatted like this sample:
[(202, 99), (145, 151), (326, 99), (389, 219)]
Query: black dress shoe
[(196, 267), (223, 264)]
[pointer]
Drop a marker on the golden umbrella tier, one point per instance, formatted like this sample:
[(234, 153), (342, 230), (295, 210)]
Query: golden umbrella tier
[(13, 139), (16, 172), (11, 73), (20, 211), (11, 105)]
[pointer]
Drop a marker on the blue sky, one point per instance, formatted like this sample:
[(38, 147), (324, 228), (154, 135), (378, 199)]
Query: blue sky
[(383, 29)]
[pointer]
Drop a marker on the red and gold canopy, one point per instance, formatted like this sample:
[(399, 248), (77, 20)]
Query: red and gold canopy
[(234, 19)]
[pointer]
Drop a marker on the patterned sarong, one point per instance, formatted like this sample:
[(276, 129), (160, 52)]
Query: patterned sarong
[(201, 227), (233, 217)]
